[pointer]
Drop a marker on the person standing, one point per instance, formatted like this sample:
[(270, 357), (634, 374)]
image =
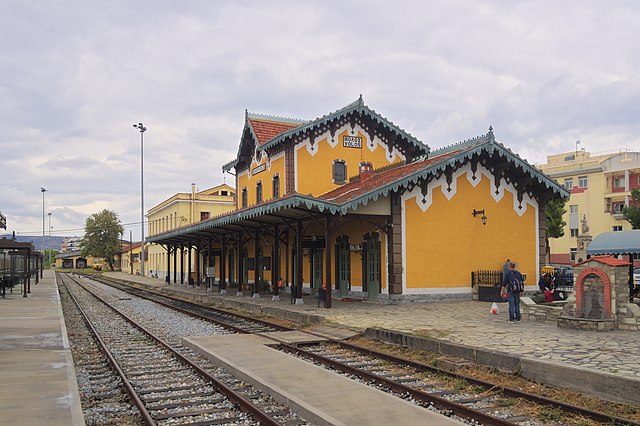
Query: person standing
[(514, 284)]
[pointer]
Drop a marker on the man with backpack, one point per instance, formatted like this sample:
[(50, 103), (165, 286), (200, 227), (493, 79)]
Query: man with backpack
[(514, 285)]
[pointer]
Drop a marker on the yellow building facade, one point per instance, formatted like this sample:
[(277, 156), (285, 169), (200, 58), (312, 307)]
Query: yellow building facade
[(353, 202), (181, 210), (600, 187)]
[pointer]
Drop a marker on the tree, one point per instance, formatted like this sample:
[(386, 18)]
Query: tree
[(632, 213), (553, 213), (102, 232)]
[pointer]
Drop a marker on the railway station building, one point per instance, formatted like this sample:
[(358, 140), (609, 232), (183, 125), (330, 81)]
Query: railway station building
[(352, 202)]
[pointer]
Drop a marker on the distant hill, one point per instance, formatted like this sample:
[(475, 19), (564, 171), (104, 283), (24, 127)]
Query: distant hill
[(50, 242)]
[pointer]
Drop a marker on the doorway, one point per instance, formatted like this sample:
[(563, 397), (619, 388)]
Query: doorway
[(372, 266), (343, 266)]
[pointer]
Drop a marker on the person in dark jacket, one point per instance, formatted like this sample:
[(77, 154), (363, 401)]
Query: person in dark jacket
[(514, 284)]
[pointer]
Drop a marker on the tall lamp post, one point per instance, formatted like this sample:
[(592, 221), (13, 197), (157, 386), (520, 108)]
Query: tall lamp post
[(142, 129), (49, 214), (42, 266)]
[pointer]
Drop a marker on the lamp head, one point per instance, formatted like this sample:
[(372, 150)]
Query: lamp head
[(42, 189)]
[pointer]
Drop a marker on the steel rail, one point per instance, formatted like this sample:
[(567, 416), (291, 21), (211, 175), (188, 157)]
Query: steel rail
[(442, 404), (146, 415), (507, 391), (157, 298), (233, 396)]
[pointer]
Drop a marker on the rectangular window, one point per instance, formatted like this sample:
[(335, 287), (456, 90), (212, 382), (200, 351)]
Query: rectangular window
[(266, 263), (276, 186), (617, 228), (568, 184), (582, 182), (618, 182), (574, 252), (339, 171), (204, 215), (573, 209), (574, 232), (570, 157), (244, 197), (616, 208)]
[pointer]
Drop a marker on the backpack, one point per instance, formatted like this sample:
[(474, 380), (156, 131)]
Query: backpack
[(516, 284)]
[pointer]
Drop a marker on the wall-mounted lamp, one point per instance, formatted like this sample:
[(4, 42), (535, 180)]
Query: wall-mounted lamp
[(484, 216)]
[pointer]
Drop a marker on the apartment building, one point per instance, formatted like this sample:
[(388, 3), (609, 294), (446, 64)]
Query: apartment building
[(600, 187)]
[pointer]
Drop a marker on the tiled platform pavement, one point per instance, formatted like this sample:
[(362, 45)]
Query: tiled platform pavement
[(599, 358), (36, 367)]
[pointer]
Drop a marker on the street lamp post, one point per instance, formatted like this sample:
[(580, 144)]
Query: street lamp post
[(142, 129), (49, 234), (42, 266)]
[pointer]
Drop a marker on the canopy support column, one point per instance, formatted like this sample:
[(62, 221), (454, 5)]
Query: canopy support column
[(168, 280), (257, 267), (223, 266), (239, 260), (327, 250), (299, 300)]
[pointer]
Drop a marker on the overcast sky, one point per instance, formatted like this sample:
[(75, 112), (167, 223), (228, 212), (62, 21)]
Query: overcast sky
[(75, 76)]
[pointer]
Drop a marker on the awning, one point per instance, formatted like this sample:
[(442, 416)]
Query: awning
[(619, 242)]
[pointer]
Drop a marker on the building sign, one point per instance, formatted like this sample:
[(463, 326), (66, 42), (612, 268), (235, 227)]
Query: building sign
[(352, 141), (355, 247), (261, 168)]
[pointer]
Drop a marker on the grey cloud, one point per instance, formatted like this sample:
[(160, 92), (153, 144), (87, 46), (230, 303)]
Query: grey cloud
[(542, 73)]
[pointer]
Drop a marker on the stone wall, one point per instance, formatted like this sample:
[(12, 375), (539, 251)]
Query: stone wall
[(531, 311)]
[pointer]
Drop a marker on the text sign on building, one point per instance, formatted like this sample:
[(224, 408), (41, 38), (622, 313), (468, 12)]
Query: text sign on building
[(352, 141), (261, 168)]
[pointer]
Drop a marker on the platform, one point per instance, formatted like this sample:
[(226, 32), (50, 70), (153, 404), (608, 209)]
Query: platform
[(321, 396), (38, 379), (606, 365)]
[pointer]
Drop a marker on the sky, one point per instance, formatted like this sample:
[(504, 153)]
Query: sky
[(75, 76)]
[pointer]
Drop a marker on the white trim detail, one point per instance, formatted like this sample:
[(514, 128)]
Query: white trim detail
[(424, 202), (372, 144), (439, 290)]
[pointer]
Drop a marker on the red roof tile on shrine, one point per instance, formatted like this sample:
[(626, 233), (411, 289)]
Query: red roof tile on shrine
[(607, 260), (266, 130)]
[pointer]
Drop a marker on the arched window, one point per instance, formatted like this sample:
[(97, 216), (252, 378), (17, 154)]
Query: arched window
[(259, 192), (339, 171), (276, 186)]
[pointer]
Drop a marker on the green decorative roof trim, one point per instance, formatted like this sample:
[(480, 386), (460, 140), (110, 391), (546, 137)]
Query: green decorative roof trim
[(485, 143), (288, 202), (357, 106)]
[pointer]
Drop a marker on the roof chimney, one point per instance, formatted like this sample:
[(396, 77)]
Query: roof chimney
[(366, 170), (193, 189)]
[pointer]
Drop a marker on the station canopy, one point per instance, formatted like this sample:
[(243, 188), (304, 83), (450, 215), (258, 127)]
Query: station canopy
[(619, 242)]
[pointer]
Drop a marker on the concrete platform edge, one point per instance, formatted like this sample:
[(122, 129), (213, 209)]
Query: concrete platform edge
[(599, 384), (278, 394)]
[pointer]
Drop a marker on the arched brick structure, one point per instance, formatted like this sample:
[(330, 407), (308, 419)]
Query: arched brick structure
[(580, 290)]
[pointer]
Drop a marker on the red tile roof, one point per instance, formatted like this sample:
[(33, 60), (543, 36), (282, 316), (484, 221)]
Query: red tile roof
[(266, 130), (380, 178), (607, 260)]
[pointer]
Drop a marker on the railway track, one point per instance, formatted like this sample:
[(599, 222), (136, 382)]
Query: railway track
[(104, 398), (236, 322), (166, 385), (462, 395)]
